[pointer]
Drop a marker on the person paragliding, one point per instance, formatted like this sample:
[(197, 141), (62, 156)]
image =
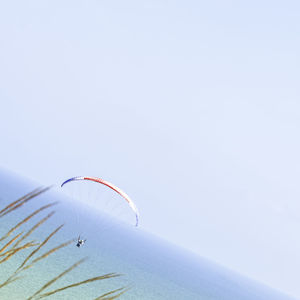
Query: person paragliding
[(80, 242)]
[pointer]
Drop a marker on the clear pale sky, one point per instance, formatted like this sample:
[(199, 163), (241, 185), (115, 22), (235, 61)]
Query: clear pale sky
[(191, 107)]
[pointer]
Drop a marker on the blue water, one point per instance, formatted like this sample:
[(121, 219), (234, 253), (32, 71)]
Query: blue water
[(152, 268)]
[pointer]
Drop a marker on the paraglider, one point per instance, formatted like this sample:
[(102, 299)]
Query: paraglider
[(111, 186), (80, 242)]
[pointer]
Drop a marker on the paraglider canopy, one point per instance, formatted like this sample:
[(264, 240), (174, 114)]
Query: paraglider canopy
[(111, 186)]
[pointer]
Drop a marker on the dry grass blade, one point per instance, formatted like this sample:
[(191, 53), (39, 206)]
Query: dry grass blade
[(106, 276), (48, 253), (25, 246), (8, 256), (105, 296), (10, 242), (10, 281), (19, 204), (40, 246), (57, 277), (117, 295), (30, 231), (11, 253), (19, 200), (14, 251), (27, 219)]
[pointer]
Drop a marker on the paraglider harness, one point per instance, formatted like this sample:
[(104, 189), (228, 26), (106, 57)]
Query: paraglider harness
[(80, 242)]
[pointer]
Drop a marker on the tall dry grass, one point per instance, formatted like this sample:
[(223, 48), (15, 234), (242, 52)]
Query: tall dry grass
[(18, 244)]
